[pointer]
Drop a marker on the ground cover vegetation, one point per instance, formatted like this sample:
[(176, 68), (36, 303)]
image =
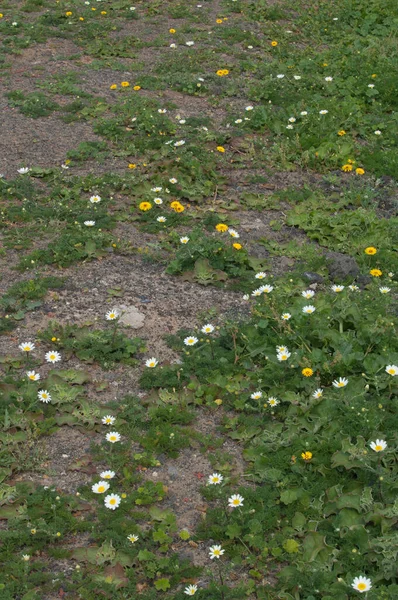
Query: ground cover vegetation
[(245, 152)]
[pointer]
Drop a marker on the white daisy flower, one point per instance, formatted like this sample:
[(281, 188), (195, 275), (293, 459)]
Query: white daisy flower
[(108, 420), (323, 112), (215, 551), (337, 288), (26, 557), (308, 310), (133, 538), (233, 233), (304, 113), (289, 127), (328, 78), (162, 111), (384, 290), (173, 179), (281, 349), (23, 170), (53, 356), (371, 85), (100, 488), (282, 356), (112, 501), (44, 396), (158, 201), (318, 393), (297, 77), (249, 108), (208, 328), (173, 45), (260, 275), (156, 189), (256, 395), (308, 294), (33, 376), (89, 223), (151, 362), (266, 289), (184, 239), (215, 479), (292, 120), (107, 474), (26, 346), (113, 437), (257, 292), (353, 288), (280, 76), (340, 383), (392, 369), (361, 584), (286, 316), (161, 219), (378, 445), (377, 132), (239, 121), (179, 143), (94, 199), (191, 340), (112, 315), (235, 500), (191, 590), (189, 43), (272, 401)]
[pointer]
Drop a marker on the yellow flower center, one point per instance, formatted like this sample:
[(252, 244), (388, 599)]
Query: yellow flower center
[(378, 448), (112, 501), (391, 371), (340, 384), (101, 488), (362, 586), (33, 377)]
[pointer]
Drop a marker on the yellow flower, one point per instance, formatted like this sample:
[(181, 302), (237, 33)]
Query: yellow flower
[(325, 65), (222, 227), (68, 13), (370, 250), (237, 246), (376, 272), (33, 531), (307, 372), (113, 86), (374, 75), (132, 166), (341, 132), (222, 72), (136, 88), (1, 15), (274, 43), (125, 84), (177, 206), (123, 496), (346, 168), (219, 20), (218, 401), (351, 162), (359, 171), (220, 149), (145, 206), (103, 12), (306, 456), (172, 30)]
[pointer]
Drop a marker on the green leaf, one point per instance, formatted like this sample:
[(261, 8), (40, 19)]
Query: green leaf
[(291, 546), (162, 584)]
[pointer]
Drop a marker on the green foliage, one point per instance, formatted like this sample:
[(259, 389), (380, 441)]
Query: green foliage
[(32, 105), (104, 347)]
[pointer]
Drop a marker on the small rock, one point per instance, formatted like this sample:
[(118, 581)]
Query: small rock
[(172, 472), (313, 277), (341, 266), (132, 317)]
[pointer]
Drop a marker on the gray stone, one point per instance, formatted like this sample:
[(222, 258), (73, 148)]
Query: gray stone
[(313, 277), (341, 266), (132, 317)]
